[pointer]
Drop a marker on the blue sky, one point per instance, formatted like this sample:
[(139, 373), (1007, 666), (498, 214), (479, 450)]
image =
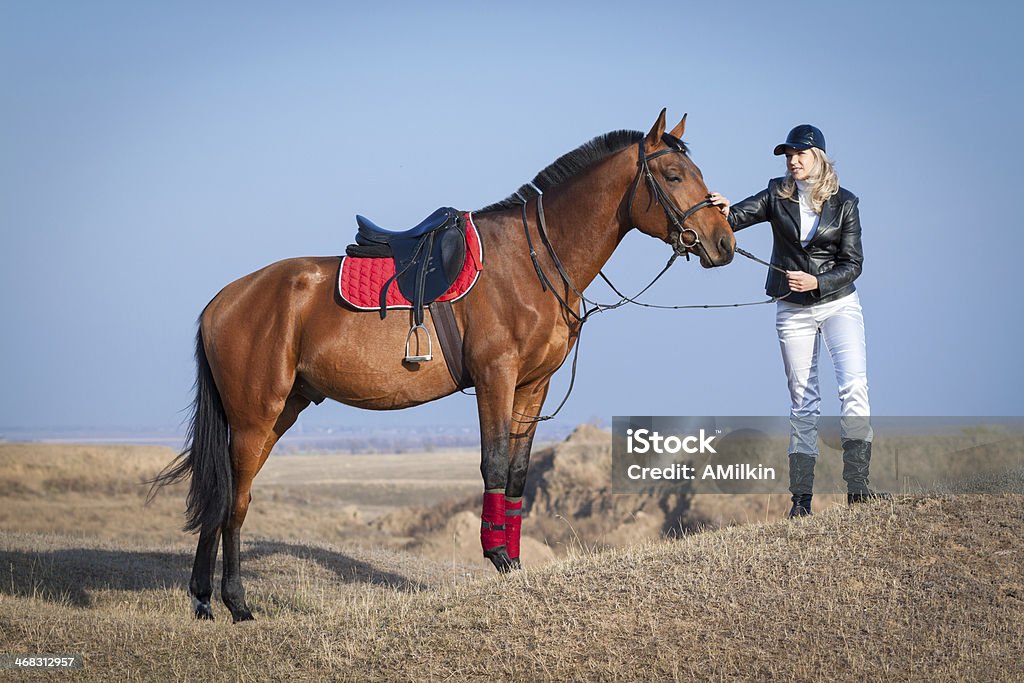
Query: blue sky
[(151, 153)]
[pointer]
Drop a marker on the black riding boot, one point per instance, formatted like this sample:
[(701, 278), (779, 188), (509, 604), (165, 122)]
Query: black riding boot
[(856, 461), (801, 483)]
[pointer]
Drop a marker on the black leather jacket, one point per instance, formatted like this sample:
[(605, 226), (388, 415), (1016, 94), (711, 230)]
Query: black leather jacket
[(834, 255)]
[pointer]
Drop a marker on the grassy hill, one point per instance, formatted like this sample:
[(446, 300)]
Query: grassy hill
[(923, 588)]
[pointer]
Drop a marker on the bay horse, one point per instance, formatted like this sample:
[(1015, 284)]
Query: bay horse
[(268, 337)]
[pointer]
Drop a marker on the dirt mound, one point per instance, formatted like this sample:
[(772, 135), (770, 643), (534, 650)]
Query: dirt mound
[(458, 540), (568, 503), (569, 497)]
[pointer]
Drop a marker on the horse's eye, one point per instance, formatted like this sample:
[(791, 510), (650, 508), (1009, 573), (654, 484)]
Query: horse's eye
[(674, 179)]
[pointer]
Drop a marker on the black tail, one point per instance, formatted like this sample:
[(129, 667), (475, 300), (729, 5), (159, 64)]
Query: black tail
[(206, 456)]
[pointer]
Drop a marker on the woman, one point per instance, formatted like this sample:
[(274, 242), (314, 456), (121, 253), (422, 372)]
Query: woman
[(816, 228)]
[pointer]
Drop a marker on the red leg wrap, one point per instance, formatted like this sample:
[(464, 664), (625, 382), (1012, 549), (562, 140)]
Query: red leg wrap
[(513, 525), (492, 521)]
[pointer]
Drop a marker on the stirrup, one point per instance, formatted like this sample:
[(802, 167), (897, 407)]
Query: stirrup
[(408, 339)]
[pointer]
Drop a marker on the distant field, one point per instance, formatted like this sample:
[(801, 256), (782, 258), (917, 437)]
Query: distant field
[(375, 483), (96, 491)]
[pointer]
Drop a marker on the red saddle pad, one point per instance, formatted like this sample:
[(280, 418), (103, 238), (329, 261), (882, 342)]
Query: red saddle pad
[(361, 279)]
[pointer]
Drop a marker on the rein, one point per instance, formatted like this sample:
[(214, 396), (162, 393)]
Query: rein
[(681, 243)]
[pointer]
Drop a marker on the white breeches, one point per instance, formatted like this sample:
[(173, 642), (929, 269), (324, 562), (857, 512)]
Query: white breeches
[(841, 324)]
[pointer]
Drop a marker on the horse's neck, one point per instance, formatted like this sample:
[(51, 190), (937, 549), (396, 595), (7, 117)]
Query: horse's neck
[(584, 224)]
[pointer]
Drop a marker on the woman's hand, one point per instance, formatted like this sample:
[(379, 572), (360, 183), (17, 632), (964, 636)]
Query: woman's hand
[(801, 282), (721, 202)]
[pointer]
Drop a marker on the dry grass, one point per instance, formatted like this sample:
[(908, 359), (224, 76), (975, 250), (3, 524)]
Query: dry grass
[(923, 588)]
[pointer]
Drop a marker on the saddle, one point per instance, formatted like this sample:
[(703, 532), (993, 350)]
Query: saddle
[(371, 233), (428, 258)]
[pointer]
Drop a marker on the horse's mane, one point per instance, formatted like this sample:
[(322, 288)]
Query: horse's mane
[(568, 165)]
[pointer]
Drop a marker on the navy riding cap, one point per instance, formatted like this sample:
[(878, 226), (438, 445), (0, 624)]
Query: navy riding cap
[(800, 138)]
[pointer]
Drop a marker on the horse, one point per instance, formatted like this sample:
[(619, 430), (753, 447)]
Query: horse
[(265, 339)]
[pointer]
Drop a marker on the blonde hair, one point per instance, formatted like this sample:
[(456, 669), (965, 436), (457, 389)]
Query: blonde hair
[(823, 179)]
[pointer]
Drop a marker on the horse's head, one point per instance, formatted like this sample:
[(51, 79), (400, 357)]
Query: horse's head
[(668, 199)]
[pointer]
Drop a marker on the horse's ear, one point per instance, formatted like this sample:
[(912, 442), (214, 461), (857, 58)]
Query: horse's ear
[(677, 132), (654, 137)]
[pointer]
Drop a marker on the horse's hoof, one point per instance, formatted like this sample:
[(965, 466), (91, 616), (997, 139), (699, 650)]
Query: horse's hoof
[(201, 609), (241, 615), (501, 561), (204, 612)]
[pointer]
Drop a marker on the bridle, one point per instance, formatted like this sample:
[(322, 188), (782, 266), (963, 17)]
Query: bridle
[(677, 221), (679, 238), (679, 234)]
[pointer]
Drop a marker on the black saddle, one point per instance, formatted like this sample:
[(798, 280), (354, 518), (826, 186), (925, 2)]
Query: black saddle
[(370, 232), (428, 257)]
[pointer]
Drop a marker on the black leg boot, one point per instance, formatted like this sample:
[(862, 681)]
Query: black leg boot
[(801, 483), (856, 461)]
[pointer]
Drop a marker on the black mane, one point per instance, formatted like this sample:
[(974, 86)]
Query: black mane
[(568, 165)]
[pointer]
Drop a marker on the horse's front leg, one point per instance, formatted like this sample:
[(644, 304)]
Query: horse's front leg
[(529, 400), (494, 403)]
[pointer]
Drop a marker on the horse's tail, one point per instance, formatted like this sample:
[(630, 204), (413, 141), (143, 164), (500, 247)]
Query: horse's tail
[(206, 457)]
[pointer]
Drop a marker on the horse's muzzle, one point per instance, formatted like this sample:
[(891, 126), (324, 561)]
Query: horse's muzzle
[(721, 254)]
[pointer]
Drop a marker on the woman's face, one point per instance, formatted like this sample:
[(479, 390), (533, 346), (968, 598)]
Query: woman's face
[(800, 163)]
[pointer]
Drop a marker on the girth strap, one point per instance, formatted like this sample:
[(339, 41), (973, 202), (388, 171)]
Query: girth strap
[(451, 342)]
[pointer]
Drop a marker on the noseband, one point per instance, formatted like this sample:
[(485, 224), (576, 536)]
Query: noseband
[(682, 238)]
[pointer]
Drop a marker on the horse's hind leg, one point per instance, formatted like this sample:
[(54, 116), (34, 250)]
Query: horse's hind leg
[(200, 586), (250, 449)]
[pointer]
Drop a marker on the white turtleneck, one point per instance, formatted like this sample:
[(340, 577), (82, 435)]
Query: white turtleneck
[(808, 219)]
